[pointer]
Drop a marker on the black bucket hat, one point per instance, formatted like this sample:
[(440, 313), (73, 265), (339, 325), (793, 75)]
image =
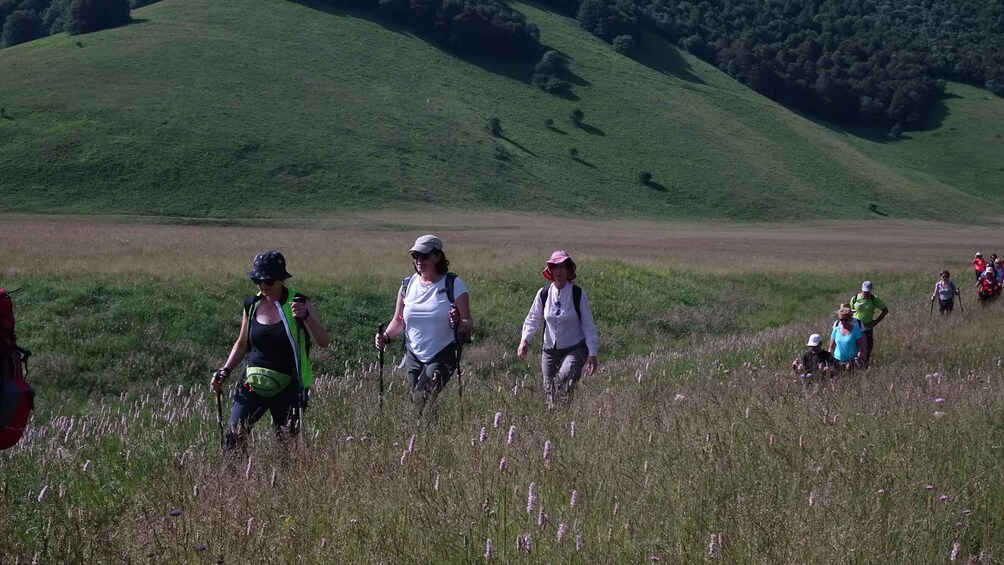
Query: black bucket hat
[(269, 265)]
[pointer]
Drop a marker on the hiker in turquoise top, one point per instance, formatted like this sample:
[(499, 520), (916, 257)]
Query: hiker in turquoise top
[(864, 305), (277, 331)]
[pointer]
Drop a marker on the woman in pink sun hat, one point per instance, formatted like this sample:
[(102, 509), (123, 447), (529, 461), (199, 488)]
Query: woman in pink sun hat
[(570, 341)]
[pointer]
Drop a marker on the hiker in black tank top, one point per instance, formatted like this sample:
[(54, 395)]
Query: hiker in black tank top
[(277, 330)]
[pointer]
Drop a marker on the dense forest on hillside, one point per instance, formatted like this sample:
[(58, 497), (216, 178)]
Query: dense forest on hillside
[(483, 27), (859, 61), (25, 20)]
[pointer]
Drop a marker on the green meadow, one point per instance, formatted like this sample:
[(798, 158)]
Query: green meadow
[(693, 442), (294, 109)]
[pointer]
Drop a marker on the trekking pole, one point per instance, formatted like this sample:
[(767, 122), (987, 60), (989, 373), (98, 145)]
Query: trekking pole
[(302, 393), (458, 348), (932, 309), (380, 329), (961, 307), (219, 418)]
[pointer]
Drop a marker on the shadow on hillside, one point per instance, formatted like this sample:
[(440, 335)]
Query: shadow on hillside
[(583, 162), (656, 186), (518, 145), (518, 70), (662, 56), (933, 120), (592, 130), (556, 129)]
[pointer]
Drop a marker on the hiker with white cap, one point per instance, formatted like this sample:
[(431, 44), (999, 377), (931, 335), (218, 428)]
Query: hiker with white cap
[(815, 359), (864, 305), (432, 308), (570, 341)]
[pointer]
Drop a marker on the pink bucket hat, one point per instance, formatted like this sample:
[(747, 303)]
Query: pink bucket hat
[(557, 258)]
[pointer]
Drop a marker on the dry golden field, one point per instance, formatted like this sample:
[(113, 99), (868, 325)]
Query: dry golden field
[(376, 244)]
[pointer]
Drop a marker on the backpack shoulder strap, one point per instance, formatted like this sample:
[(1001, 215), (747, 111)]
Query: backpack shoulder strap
[(450, 280), (404, 285), (542, 296), (250, 303), (577, 299)]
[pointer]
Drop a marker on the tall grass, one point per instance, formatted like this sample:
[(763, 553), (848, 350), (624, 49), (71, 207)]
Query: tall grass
[(685, 448)]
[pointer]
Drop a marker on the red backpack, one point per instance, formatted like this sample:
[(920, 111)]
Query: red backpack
[(17, 399)]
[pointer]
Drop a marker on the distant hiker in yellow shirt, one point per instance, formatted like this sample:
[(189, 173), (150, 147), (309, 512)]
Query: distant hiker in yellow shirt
[(864, 305)]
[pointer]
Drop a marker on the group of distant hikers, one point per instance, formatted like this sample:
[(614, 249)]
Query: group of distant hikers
[(852, 338), (989, 277), (432, 313)]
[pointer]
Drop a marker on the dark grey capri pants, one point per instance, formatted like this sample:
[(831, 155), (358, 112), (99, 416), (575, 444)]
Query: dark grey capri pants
[(432, 376), (564, 366)]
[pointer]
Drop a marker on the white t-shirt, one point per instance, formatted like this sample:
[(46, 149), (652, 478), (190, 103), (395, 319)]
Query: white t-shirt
[(427, 316)]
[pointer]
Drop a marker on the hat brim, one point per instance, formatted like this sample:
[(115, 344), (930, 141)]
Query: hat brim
[(568, 263), (270, 275), (426, 248)]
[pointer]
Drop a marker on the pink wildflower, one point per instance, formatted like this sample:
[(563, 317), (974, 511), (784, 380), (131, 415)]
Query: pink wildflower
[(435, 486), (488, 549), (955, 551), (502, 465), (541, 518), (939, 400), (531, 498), (714, 545), (578, 542), (547, 449), (498, 420), (484, 435), (943, 497), (928, 487), (571, 429), (561, 531), (411, 444), (511, 436), (575, 499)]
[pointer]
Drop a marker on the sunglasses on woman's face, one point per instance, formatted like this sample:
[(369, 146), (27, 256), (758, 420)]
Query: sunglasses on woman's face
[(263, 281), (416, 256)]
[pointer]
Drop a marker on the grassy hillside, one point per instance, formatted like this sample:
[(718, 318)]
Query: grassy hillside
[(277, 108)]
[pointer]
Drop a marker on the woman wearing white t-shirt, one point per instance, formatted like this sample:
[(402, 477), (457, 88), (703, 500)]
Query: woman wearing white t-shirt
[(426, 317), (569, 332)]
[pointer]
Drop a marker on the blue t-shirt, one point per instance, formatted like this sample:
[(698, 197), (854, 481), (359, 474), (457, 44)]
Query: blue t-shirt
[(846, 345)]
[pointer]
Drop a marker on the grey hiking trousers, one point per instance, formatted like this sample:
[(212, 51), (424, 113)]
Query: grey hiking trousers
[(562, 369)]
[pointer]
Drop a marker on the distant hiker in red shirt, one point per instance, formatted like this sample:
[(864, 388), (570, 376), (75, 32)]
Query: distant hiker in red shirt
[(979, 265)]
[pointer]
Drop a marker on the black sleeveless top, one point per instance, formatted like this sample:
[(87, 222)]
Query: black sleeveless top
[(270, 347)]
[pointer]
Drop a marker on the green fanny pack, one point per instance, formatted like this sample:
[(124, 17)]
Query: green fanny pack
[(266, 382)]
